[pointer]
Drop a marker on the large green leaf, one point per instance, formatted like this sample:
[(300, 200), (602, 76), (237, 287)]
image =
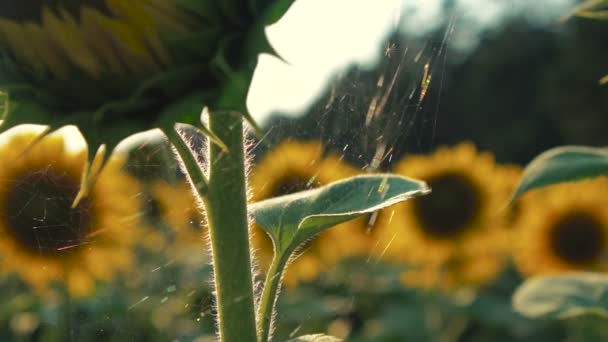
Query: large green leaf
[(563, 164), (316, 338), (292, 219), (563, 296)]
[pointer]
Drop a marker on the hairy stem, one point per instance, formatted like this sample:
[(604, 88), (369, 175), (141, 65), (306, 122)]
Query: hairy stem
[(226, 209), (191, 166), (272, 285)]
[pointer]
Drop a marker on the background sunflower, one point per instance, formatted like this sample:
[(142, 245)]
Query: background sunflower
[(563, 228), (179, 209), (44, 240), (455, 235)]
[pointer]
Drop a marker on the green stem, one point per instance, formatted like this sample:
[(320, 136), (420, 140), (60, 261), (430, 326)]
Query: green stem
[(226, 209), (67, 309), (193, 169), (272, 285)]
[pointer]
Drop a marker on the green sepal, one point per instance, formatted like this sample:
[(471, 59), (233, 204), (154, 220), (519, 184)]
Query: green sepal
[(208, 12), (290, 220), (563, 164), (236, 85), (563, 296), (189, 109), (236, 12), (270, 10)]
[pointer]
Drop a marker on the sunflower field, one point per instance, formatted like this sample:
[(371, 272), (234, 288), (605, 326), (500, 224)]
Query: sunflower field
[(451, 188)]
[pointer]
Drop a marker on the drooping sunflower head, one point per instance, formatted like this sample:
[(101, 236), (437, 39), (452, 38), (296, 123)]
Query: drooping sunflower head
[(45, 239), (562, 228), (95, 38), (456, 230), (99, 49), (296, 166), (114, 67)]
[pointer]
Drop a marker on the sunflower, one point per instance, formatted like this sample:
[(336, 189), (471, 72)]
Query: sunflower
[(456, 235), (116, 67), (296, 166), (60, 38), (44, 239), (180, 210), (563, 228)]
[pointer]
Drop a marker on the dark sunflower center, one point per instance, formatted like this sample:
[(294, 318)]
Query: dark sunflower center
[(31, 10), (578, 238), (39, 215), (292, 184), (450, 207), (152, 208)]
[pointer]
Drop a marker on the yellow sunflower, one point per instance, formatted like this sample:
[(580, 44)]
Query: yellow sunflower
[(563, 228), (295, 166), (94, 37), (180, 210), (45, 240), (455, 235)]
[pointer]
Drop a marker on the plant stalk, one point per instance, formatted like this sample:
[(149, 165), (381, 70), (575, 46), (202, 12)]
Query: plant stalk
[(193, 169), (226, 210), (272, 285)]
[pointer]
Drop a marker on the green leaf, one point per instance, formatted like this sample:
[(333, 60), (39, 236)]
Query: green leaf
[(563, 296), (292, 219), (316, 338), (593, 14), (563, 164), (590, 8)]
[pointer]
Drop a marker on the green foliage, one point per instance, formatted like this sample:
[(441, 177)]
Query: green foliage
[(563, 164), (290, 220), (563, 296)]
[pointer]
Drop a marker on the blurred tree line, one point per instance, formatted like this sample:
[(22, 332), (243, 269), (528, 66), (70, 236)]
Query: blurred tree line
[(523, 89)]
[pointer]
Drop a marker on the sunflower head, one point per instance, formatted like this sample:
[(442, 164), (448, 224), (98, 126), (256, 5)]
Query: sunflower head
[(114, 68), (455, 235), (296, 166), (44, 238), (452, 207), (563, 227)]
